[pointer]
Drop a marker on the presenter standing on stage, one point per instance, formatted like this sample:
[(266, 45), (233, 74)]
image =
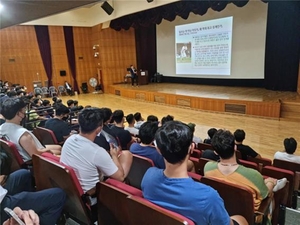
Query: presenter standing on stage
[(134, 76)]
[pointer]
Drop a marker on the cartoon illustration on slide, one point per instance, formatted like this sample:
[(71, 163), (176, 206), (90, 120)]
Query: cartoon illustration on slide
[(183, 52)]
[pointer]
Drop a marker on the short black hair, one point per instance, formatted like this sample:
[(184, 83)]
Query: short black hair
[(211, 132), (70, 102), (239, 135), (106, 114), (118, 116), (166, 119), (174, 139), (46, 102), (137, 116), (290, 145), (152, 118), (90, 119), (147, 132), (61, 109), (11, 93), (11, 106), (129, 118), (223, 143)]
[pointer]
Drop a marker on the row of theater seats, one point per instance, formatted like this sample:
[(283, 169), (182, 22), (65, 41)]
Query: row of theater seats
[(50, 173)]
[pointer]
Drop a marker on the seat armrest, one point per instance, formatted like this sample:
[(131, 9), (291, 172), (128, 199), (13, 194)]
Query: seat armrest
[(264, 206), (86, 197)]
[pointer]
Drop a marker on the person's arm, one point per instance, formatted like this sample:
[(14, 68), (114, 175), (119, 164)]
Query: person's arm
[(29, 217), (119, 175)]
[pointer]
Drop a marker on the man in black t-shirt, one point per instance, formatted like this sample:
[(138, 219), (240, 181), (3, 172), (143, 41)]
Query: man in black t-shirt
[(245, 150)]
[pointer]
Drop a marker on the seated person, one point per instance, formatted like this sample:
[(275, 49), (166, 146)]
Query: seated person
[(229, 170), (146, 148), (56, 101), (152, 118), (166, 119), (89, 161), (290, 146), (210, 134), (196, 139), (17, 191), (173, 189), (210, 154), (13, 109), (118, 131), (131, 121), (138, 120), (245, 150), (59, 125)]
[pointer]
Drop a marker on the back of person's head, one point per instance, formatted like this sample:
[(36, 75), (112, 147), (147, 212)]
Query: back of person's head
[(107, 113), (166, 119), (174, 139), (118, 116), (36, 101), (211, 132), (137, 116), (192, 126), (239, 135), (46, 102), (12, 94), (70, 102), (75, 103), (223, 143), (152, 118), (11, 106), (290, 145), (147, 132), (90, 119), (61, 110), (130, 118), (54, 99)]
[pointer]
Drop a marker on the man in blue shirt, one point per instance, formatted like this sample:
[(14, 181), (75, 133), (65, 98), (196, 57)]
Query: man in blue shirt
[(173, 189)]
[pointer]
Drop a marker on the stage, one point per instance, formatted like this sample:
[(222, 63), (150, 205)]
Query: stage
[(239, 100)]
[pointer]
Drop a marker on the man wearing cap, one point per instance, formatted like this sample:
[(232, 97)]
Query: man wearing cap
[(14, 110)]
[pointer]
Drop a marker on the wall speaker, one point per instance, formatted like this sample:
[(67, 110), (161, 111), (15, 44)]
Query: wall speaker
[(62, 73), (107, 8)]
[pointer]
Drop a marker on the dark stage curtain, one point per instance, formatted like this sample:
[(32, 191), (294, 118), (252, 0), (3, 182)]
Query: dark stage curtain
[(69, 41), (146, 49), (282, 45), (42, 36)]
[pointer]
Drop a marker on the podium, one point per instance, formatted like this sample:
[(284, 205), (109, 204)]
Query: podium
[(143, 77)]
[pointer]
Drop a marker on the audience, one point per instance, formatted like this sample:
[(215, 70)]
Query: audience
[(245, 150), (210, 133), (18, 191), (91, 162), (131, 121), (173, 189), (290, 146), (138, 120), (229, 170), (13, 110), (59, 125)]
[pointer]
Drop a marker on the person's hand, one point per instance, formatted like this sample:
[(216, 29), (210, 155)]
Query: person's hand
[(114, 151), (29, 217)]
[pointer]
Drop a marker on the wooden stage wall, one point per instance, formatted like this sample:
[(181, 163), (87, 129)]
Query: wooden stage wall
[(266, 109)]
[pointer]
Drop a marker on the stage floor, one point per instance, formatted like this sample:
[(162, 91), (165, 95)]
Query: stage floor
[(217, 92)]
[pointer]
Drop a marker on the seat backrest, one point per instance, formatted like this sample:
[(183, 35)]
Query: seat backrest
[(248, 164), (45, 90), (196, 153), (124, 187), (261, 162), (38, 90), (17, 161), (49, 173), (138, 168), (279, 173), (286, 165), (199, 165), (111, 204), (14, 158), (195, 176), (203, 146), (238, 200), (46, 136), (147, 213)]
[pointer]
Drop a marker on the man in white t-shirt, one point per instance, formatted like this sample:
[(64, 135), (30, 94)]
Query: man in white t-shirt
[(290, 146), (90, 161)]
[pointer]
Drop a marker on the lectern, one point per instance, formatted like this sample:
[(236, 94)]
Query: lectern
[(143, 77)]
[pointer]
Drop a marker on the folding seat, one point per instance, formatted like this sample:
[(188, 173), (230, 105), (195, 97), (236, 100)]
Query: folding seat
[(45, 136), (62, 90), (146, 213), (138, 168), (53, 91), (111, 196), (195, 176), (45, 91), (196, 153), (203, 146), (238, 200), (17, 160), (261, 162), (49, 173), (248, 164), (199, 164)]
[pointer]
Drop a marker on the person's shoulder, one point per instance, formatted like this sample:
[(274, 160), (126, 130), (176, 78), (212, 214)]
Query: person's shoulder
[(211, 165)]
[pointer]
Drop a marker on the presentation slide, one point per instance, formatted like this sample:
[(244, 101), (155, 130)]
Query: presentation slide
[(204, 47), (217, 45)]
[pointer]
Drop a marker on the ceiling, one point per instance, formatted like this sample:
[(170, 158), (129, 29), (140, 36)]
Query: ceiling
[(69, 13), (18, 11)]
